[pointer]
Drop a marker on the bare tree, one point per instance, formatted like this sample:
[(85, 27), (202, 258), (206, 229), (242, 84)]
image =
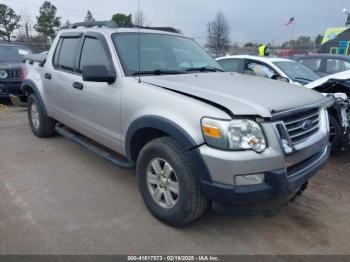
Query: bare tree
[(218, 35), (25, 29), (139, 18)]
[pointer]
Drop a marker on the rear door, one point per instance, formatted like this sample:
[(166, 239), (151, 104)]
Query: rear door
[(58, 82)]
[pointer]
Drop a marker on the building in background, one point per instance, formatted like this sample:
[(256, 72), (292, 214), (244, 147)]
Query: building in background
[(336, 41)]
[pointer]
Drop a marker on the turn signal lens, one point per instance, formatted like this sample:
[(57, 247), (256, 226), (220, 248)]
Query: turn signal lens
[(211, 131)]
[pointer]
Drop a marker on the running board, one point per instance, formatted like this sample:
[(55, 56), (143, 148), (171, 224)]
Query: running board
[(80, 140)]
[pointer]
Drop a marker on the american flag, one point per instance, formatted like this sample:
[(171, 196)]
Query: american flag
[(290, 21)]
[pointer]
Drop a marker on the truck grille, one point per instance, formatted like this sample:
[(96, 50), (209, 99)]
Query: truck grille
[(302, 125), (14, 74)]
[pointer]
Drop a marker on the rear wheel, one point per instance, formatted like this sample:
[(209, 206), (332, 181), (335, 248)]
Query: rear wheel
[(335, 134), (168, 184), (40, 123)]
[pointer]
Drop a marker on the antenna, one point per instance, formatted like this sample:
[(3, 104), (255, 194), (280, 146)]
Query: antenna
[(138, 42)]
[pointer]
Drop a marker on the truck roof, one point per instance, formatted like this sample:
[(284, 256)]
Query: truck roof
[(110, 27), (118, 30)]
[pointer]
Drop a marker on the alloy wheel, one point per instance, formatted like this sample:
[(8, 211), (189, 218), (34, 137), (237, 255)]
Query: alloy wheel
[(162, 183)]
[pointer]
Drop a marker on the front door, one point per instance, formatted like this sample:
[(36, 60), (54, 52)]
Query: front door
[(97, 104)]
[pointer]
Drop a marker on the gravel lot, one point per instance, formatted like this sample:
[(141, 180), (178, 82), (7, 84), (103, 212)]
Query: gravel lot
[(57, 198)]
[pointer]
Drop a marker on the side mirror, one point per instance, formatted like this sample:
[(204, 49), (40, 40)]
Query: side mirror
[(280, 78), (98, 73)]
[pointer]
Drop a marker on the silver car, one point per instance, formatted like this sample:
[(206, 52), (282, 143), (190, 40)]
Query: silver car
[(195, 134)]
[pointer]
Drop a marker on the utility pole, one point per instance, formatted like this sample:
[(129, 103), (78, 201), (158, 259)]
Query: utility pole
[(27, 34), (346, 12)]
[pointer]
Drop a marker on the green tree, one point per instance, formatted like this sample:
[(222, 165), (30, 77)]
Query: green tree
[(47, 21), (9, 22), (249, 44), (318, 40), (89, 17), (122, 20)]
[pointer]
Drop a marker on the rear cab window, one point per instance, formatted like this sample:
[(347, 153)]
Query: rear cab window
[(65, 53)]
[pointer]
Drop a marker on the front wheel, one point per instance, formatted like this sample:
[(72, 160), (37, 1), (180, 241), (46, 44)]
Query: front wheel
[(168, 184), (40, 123)]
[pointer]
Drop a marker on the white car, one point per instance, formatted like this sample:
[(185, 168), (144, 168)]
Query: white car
[(337, 85), (269, 67)]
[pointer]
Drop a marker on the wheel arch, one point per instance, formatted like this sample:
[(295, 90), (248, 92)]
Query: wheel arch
[(164, 127), (146, 128), (29, 87)]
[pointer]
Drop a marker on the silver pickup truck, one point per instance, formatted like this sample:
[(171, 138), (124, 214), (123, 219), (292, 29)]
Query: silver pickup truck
[(196, 135)]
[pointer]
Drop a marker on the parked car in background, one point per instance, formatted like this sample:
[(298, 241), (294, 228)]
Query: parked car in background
[(11, 75), (294, 72), (269, 67), (325, 64)]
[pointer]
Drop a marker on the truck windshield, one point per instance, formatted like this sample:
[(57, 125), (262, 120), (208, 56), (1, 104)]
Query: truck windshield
[(12, 53), (297, 72), (162, 54)]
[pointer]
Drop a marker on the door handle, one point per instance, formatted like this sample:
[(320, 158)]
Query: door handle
[(47, 76), (78, 85)]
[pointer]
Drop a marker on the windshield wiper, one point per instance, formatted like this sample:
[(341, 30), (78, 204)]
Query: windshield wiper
[(205, 69), (158, 72)]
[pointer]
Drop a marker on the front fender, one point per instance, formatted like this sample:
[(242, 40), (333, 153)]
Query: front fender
[(177, 133), (162, 124)]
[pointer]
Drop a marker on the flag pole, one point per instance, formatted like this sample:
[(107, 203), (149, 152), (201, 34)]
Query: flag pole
[(293, 31)]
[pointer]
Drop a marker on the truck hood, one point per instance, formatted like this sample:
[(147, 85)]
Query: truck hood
[(242, 95)]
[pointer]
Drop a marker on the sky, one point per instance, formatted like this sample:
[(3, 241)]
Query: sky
[(250, 21)]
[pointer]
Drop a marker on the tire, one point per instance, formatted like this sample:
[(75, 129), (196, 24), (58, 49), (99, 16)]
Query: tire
[(335, 133), (190, 201), (40, 124)]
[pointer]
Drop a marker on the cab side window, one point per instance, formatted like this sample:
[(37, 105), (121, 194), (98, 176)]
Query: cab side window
[(336, 65), (231, 65), (93, 53), (313, 63), (257, 69), (66, 54)]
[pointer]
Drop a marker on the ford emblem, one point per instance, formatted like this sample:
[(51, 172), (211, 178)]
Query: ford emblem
[(307, 125)]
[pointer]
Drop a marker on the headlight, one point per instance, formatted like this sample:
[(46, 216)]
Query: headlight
[(3, 74), (237, 134)]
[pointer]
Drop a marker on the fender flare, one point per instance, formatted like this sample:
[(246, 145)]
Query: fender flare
[(177, 133), (29, 83)]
